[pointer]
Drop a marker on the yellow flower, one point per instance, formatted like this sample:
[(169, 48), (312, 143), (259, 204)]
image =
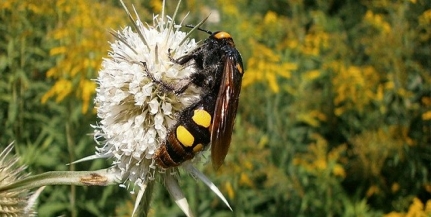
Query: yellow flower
[(416, 208), (311, 75), (318, 160), (229, 189), (372, 190), (265, 65), (395, 187), (377, 20), (245, 180), (355, 86), (81, 36), (339, 171), (88, 88), (270, 18), (156, 5), (61, 89), (426, 115)]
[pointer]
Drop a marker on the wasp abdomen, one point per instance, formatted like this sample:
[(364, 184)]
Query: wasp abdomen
[(187, 138)]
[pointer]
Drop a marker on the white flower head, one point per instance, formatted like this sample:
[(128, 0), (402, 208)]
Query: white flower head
[(135, 113)]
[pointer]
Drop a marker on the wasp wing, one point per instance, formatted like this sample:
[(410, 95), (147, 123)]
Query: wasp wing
[(225, 109)]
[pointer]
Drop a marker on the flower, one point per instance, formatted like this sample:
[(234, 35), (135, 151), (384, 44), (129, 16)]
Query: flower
[(17, 202), (135, 112)]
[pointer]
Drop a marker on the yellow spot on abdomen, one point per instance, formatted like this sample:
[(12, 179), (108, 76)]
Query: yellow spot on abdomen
[(202, 118), (198, 148), (184, 136)]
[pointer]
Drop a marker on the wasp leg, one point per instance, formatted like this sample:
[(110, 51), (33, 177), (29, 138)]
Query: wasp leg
[(178, 88), (198, 79), (182, 60)]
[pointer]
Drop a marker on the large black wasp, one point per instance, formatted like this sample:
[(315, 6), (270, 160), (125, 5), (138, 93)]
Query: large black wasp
[(219, 71)]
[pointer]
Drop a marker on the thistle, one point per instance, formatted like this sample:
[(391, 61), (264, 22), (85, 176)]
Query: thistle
[(19, 202)]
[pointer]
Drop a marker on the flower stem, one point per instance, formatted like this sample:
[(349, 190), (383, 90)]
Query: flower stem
[(71, 148), (145, 203), (83, 178)]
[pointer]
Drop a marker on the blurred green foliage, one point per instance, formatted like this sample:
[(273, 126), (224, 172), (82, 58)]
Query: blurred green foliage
[(334, 117)]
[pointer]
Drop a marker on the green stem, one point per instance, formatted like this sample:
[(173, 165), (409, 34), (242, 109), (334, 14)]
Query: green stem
[(82, 178), (70, 146), (145, 203)]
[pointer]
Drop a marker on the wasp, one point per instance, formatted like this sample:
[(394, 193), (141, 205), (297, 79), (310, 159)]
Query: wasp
[(210, 120)]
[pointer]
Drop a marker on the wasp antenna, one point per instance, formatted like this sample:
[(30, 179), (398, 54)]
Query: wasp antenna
[(188, 34), (199, 28)]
